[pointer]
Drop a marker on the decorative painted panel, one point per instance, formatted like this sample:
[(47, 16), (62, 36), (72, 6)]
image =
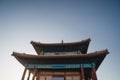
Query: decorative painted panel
[(57, 66)]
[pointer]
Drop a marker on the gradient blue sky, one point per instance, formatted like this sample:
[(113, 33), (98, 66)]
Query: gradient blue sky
[(54, 20)]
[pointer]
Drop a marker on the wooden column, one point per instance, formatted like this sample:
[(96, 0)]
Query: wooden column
[(29, 75), (34, 74), (64, 75), (93, 72), (82, 72), (24, 74), (38, 76)]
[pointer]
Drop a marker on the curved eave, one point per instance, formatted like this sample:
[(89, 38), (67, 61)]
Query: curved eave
[(59, 47), (59, 44), (96, 57)]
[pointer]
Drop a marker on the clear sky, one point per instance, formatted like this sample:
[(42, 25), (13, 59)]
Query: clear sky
[(54, 20)]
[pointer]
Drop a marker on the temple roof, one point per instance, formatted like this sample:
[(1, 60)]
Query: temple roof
[(82, 46), (96, 57)]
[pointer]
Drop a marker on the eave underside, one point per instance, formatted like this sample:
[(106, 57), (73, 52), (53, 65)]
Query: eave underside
[(96, 57)]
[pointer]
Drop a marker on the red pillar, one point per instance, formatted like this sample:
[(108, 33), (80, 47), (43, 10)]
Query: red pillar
[(82, 72), (64, 75), (24, 74), (38, 76), (93, 72), (34, 74)]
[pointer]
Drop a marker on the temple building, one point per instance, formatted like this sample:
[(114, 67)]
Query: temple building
[(61, 61)]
